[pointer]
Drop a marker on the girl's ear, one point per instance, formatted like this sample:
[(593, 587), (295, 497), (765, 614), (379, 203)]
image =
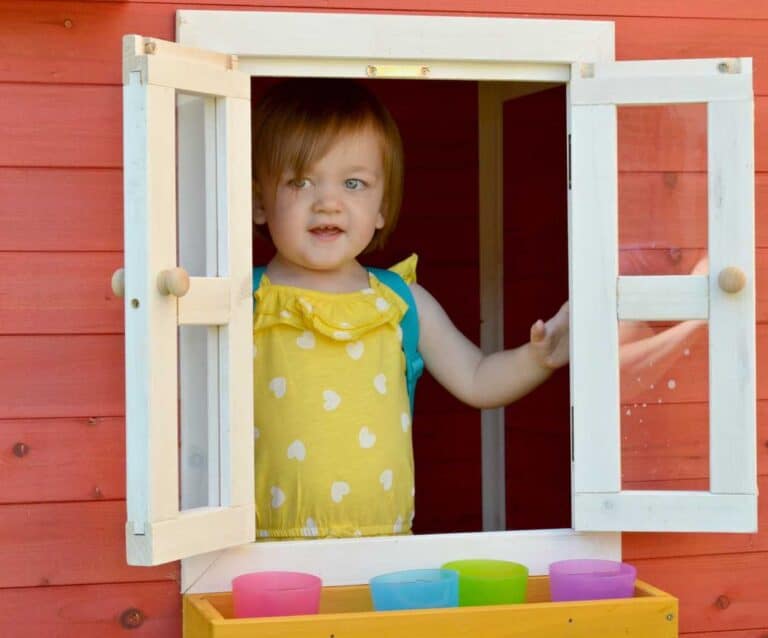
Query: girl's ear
[(380, 219), (259, 214)]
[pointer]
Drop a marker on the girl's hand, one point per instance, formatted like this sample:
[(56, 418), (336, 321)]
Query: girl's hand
[(549, 341)]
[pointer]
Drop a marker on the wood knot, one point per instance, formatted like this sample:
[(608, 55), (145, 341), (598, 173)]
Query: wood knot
[(723, 602), (132, 618)]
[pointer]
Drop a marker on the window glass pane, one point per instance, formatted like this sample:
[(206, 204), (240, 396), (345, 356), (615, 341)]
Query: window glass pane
[(198, 345), (664, 374)]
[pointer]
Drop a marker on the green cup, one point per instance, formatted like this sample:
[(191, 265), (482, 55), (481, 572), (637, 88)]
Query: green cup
[(490, 582)]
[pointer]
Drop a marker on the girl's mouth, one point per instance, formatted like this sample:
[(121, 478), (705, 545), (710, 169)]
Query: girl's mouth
[(326, 232)]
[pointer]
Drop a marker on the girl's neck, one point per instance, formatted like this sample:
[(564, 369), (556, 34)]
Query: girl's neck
[(350, 278)]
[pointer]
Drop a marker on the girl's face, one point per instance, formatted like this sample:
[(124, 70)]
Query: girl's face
[(323, 220)]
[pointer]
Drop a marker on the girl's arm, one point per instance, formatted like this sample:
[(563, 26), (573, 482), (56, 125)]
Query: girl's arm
[(487, 381)]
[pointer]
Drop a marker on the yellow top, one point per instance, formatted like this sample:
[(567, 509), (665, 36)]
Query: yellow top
[(332, 431)]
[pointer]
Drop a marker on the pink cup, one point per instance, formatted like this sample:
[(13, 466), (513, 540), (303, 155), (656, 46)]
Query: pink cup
[(275, 594)]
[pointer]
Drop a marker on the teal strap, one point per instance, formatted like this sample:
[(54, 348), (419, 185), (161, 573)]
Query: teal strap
[(258, 272), (414, 364)]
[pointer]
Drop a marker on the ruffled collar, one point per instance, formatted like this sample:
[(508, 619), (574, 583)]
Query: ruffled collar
[(339, 316)]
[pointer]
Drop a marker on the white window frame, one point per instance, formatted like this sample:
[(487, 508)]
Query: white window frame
[(595, 90), (397, 46), (158, 529), (353, 45)]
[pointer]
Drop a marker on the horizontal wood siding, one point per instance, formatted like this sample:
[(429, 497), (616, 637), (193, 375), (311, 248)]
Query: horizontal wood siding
[(85, 611), (61, 360)]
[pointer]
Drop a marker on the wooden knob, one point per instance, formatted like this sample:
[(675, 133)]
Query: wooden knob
[(732, 279), (174, 281), (118, 282)]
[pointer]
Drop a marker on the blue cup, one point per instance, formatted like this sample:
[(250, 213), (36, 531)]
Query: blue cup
[(415, 589)]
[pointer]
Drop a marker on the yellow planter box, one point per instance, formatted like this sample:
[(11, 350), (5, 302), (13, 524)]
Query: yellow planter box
[(346, 612)]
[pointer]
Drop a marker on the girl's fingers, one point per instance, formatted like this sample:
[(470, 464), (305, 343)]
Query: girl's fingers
[(538, 331)]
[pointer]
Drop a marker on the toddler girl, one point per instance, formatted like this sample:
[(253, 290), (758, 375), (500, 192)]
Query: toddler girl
[(332, 413)]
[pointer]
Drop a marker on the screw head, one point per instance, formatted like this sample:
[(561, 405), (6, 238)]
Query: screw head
[(20, 449)]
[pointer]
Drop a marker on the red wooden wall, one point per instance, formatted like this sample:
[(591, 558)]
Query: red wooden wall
[(62, 491)]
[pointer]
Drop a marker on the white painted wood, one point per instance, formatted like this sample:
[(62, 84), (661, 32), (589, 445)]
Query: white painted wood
[(663, 297), (353, 561), (649, 511), (197, 78), (207, 302), (157, 531), (490, 120), (151, 412), (594, 253), (730, 504), (194, 532), (381, 37), (150, 318), (657, 82), (438, 70), (732, 375), (236, 346)]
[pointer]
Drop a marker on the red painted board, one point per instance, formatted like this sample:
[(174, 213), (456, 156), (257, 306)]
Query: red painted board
[(61, 376), (590, 8), (61, 125), (62, 459), (74, 42), (59, 293), (83, 37), (91, 611), (698, 581), (57, 125), (757, 632), (61, 209), (69, 544)]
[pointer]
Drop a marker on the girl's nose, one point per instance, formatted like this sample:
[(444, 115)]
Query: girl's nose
[(328, 200)]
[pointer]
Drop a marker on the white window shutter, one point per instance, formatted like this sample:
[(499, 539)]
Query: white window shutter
[(601, 298), (160, 527)]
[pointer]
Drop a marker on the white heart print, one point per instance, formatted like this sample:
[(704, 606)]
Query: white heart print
[(366, 437), (355, 349), (339, 490), (278, 387), (278, 497), (310, 528), (386, 479), (405, 421), (382, 304), (398, 526), (306, 340), (331, 400), (296, 450), (380, 383)]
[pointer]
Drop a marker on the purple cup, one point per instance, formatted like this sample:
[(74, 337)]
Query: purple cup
[(591, 579)]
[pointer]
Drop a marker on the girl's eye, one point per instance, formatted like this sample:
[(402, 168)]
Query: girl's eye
[(298, 182), (354, 184)]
